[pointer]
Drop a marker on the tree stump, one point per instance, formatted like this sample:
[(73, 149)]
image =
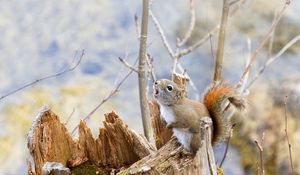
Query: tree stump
[(117, 146), (117, 149)]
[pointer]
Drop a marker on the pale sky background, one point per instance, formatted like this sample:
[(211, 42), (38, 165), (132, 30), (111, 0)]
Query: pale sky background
[(39, 38)]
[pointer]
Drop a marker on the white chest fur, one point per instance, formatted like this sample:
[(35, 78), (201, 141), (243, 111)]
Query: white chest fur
[(183, 135), (167, 114)]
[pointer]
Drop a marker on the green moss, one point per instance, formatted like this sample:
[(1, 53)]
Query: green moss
[(88, 170)]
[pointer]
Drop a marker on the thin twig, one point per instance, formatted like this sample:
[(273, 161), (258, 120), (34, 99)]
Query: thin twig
[(242, 86), (191, 26), (265, 40), (112, 93), (233, 2), (271, 40), (286, 134), (273, 58), (68, 119), (261, 149), (128, 65), (198, 43), (221, 41), (136, 22), (211, 48), (161, 33), (151, 67), (227, 144), (69, 69)]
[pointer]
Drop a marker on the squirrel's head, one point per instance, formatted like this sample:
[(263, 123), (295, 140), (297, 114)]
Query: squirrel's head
[(166, 92)]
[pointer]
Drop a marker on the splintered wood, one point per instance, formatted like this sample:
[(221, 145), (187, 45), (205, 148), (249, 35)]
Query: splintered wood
[(161, 133), (117, 146)]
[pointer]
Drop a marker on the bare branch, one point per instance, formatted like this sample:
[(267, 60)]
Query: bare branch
[(112, 93), (227, 144), (271, 40), (137, 29), (191, 26), (175, 65), (273, 58), (151, 73), (261, 149), (67, 121), (151, 67), (286, 134), (233, 2), (221, 41), (161, 33), (242, 86), (192, 84), (69, 69), (198, 43), (265, 40), (128, 65), (145, 111), (211, 48)]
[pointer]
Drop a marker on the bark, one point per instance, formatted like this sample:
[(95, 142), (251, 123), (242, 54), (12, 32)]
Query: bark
[(116, 146), (145, 112), (221, 41), (172, 159)]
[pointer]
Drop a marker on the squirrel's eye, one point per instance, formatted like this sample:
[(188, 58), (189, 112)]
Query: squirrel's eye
[(169, 88)]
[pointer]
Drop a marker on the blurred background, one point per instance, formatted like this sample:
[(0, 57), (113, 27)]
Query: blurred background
[(40, 38)]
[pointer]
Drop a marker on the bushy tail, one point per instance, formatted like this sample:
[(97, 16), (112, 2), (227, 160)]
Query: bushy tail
[(218, 99)]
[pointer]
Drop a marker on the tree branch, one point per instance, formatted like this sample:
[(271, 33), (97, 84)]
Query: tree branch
[(145, 111), (286, 134), (221, 41), (198, 43), (70, 69), (261, 149), (227, 145), (273, 58), (189, 32), (128, 65), (265, 40), (162, 34)]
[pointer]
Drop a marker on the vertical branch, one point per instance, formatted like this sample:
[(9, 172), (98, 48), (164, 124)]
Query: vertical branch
[(261, 150), (222, 31), (227, 145), (145, 112), (286, 134)]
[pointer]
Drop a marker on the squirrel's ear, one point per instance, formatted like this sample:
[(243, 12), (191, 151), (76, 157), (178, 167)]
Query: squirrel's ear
[(182, 92)]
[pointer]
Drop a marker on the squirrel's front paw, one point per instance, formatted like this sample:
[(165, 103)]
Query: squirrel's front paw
[(194, 130)]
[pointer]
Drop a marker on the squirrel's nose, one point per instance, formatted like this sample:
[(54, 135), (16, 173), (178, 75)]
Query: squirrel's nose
[(155, 82)]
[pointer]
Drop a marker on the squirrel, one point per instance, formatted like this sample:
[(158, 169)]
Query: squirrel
[(183, 115)]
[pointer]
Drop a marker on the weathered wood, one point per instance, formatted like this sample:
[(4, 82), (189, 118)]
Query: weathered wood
[(161, 133), (49, 140), (117, 145), (172, 159)]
